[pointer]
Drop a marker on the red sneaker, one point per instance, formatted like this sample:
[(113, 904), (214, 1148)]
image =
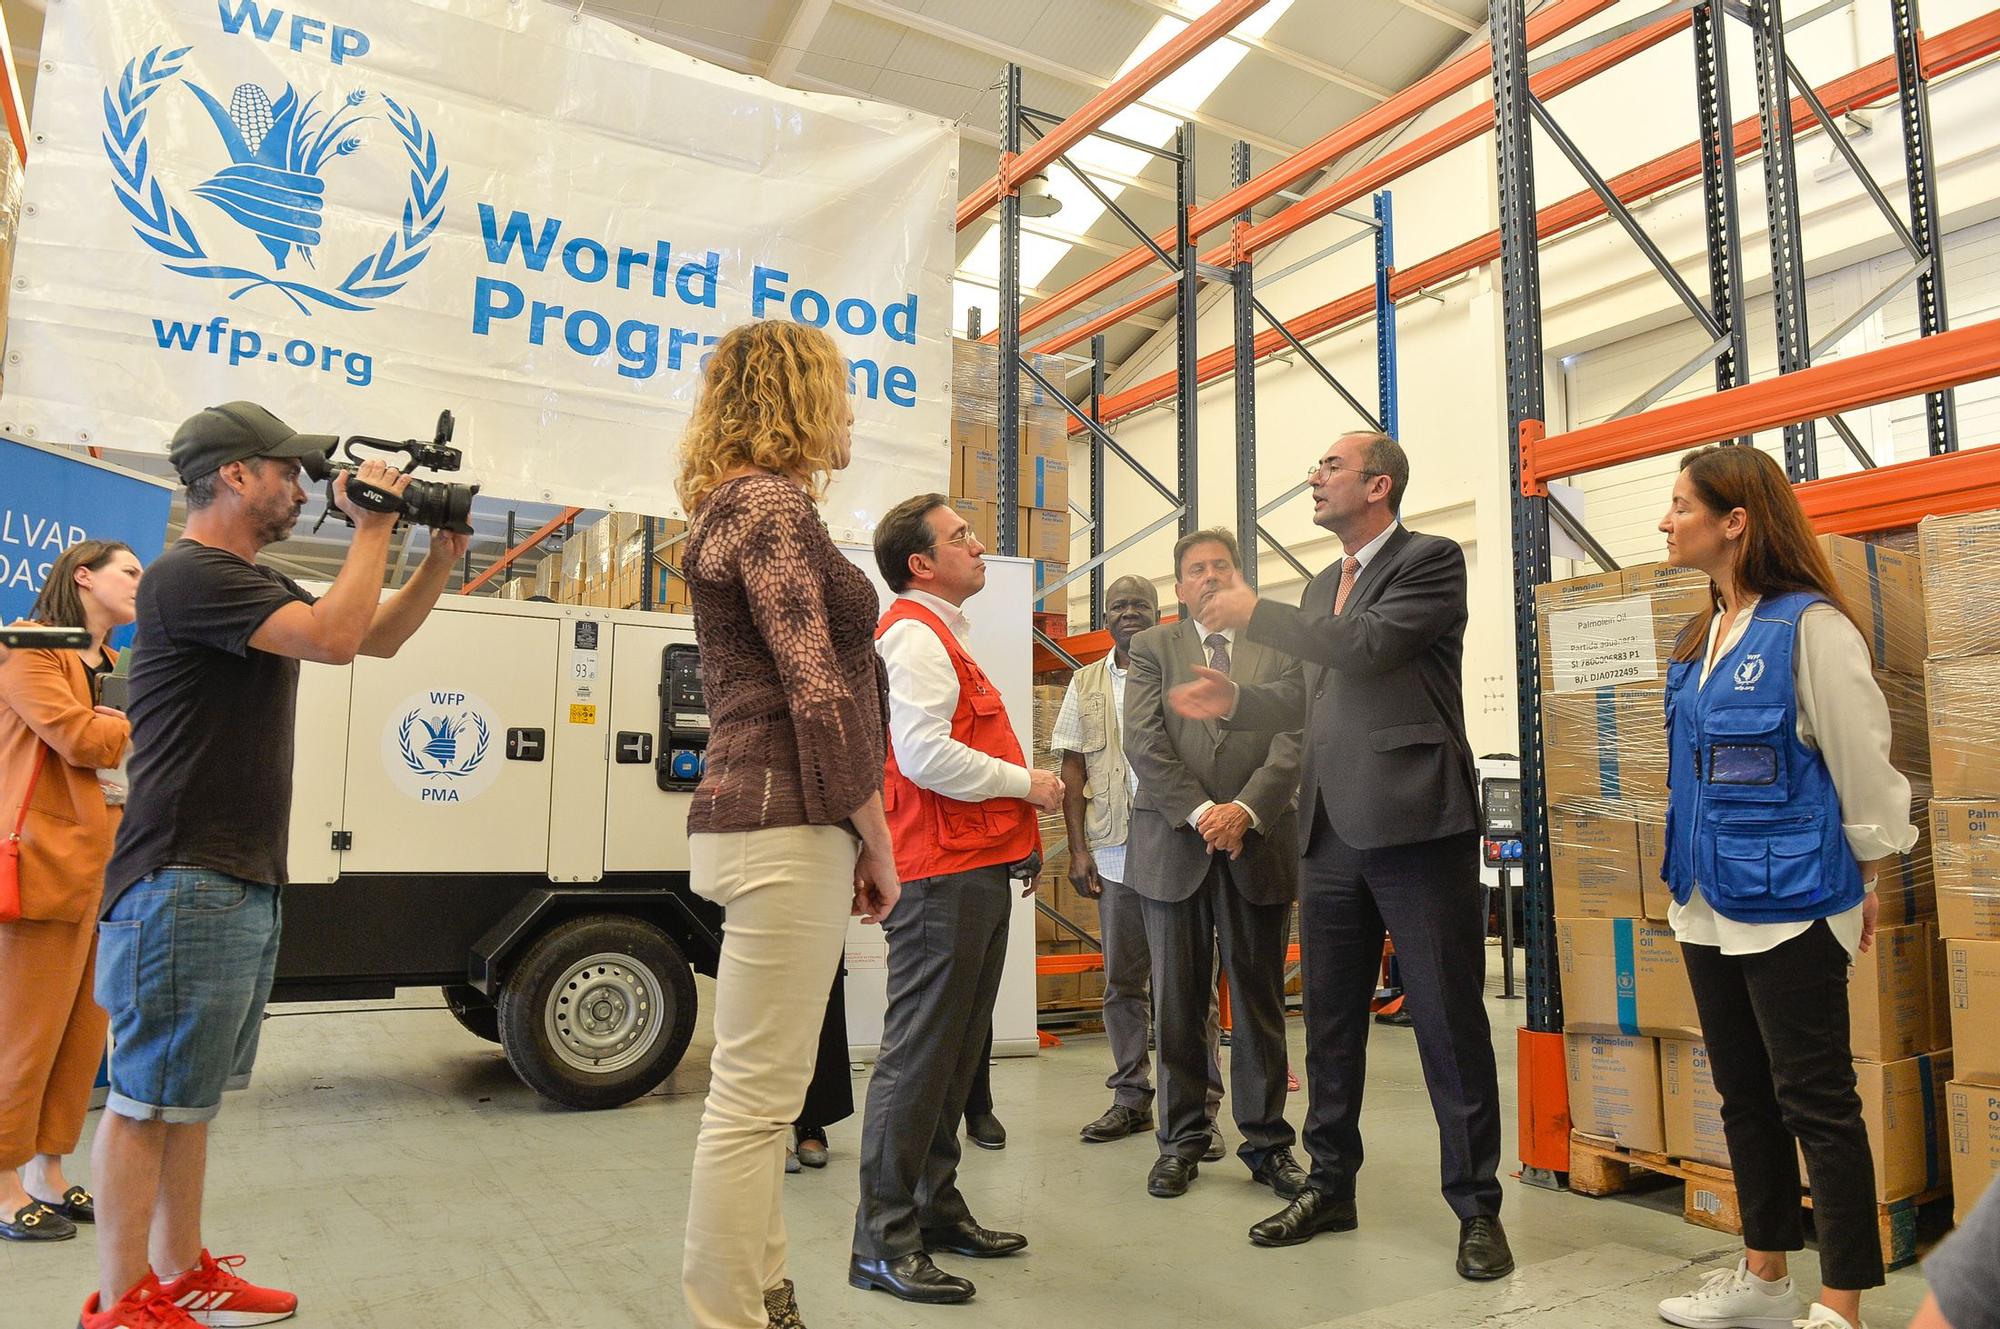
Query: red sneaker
[(144, 1307), (211, 1294)]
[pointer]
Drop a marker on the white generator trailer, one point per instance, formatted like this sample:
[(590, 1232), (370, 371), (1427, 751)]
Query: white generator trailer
[(501, 811)]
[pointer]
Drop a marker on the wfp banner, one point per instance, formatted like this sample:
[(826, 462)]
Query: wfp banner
[(49, 500), (363, 213)]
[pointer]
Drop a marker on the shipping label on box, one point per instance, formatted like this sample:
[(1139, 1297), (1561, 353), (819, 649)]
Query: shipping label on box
[(1889, 995), (1972, 986), (1961, 591), (1678, 596), (1689, 1103), (1972, 1118), (1965, 853), (1964, 704), (1614, 1089), (1594, 864), (1624, 976), (1885, 590), (1602, 645)]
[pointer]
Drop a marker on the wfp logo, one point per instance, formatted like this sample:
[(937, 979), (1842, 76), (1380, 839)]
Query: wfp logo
[(277, 158), (1749, 672), (436, 747)]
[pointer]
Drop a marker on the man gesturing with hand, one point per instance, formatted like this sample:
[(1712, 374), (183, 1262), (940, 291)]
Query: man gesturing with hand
[(1213, 858)]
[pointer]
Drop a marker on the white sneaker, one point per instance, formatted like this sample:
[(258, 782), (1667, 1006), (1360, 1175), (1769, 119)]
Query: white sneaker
[(1733, 1299), (1819, 1317)]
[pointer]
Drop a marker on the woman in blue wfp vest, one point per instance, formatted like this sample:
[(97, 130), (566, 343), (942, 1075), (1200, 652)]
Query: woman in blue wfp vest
[(1781, 799)]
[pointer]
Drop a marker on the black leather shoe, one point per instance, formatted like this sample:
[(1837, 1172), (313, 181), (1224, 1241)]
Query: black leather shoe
[(77, 1205), (35, 1221), (911, 1277), (1312, 1213), (986, 1131), (1170, 1176), (1117, 1123), (1214, 1153), (968, 1238), (1281, 1172), (1483, 1252)]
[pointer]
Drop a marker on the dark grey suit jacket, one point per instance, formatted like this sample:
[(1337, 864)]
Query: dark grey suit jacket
[(1381, 698), (1183, 763)]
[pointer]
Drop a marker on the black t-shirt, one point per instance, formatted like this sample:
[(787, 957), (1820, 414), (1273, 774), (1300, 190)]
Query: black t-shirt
[(212, 719)]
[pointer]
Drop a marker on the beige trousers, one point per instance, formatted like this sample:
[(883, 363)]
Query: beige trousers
[(54, 1035), (786, 895)]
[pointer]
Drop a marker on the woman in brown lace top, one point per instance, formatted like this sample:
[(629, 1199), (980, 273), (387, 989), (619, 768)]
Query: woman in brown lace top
[(786, 832)]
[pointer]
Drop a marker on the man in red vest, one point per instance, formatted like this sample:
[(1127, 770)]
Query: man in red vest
[(961, 801)]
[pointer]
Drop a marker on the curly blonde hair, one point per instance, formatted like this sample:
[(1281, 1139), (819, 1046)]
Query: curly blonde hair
[(775, 396)]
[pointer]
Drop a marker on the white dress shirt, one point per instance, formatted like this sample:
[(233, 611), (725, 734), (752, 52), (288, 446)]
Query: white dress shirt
[(1366, 554), (1834, 677), (1229, 639), (1067, 736), (923, 697)]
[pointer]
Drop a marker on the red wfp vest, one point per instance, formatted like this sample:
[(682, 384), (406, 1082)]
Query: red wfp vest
[(933, 834)]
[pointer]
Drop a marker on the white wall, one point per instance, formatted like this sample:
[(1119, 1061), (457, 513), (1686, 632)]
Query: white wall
[(1597, 289)]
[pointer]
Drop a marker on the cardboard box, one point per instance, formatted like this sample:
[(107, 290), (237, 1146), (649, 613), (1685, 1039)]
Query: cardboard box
[(975, 472), (1048, 573), (1972, 987), (1689, 1103), (1909, 723), (1043, 533), (1964, 704), (1043, 481), (980, 516), (1657, 898), (1889, 994), (1972, 1123), (1594, 862), (1965, 853), (975, 433), (1678, 595), (1614, 1089), (1907, 884), (1961, 589), (1885, 589), (1903, 1104), (1624, 976), (1057, 989), (1564, 634), (1605, 750)]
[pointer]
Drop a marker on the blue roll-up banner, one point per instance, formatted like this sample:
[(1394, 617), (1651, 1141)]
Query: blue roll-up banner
[(50, 499)]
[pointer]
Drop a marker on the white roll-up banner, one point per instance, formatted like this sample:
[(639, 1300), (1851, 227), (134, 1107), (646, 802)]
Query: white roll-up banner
[(363, 213)]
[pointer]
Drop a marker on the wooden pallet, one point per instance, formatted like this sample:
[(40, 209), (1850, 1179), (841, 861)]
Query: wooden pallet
[(1708, 1196)]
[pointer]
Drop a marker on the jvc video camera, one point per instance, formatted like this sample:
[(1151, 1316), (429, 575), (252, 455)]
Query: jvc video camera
[(444, 506)]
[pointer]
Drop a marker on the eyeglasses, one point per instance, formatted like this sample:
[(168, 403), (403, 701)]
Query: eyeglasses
[(1315, 471), (962, 538)]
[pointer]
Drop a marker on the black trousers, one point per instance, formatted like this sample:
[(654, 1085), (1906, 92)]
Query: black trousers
[(830, 1095), (1778, 1047), (947, 946), (1427, 897)]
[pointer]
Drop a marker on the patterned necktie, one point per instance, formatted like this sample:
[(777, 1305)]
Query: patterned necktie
[(1350, 568), (1218, 652)]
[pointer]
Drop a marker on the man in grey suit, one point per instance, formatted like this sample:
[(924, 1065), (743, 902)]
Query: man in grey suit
[(1212, 842), (1391, 814)]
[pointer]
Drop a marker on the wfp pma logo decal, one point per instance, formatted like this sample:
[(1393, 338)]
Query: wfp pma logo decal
[(276, 159), (437, 746)]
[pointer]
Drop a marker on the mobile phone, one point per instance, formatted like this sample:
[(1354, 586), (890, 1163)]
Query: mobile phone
[(45, 639)]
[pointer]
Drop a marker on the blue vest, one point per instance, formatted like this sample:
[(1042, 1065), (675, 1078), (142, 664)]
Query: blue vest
[(1753, 819)]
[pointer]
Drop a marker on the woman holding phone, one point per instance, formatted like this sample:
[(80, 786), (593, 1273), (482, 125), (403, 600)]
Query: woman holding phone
[(1781, 803), (54, 741)]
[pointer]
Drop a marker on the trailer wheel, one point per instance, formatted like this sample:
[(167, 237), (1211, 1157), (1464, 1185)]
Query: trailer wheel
[(598, 1011), (474, 1013)]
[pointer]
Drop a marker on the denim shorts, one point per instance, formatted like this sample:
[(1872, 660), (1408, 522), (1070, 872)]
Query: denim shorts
[(184, 966)]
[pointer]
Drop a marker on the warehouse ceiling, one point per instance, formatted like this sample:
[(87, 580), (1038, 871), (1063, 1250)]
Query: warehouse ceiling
[(1293, 72)]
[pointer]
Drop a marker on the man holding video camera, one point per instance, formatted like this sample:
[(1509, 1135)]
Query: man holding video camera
[(188, 940)]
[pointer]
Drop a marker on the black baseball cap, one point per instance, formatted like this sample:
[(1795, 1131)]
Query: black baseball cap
[(237, 431)]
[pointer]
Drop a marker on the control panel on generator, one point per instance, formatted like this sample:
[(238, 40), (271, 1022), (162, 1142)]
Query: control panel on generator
[(683, 719)]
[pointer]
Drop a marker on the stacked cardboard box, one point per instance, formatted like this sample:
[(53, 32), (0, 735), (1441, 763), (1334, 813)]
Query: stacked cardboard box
[(603, 565), (1961, 568), (1041, 480)]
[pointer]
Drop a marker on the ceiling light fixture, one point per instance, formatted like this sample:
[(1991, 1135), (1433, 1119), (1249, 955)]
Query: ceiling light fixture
[(1036, 200)]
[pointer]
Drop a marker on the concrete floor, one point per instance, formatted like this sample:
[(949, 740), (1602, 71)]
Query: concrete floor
[(390, 1169)]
